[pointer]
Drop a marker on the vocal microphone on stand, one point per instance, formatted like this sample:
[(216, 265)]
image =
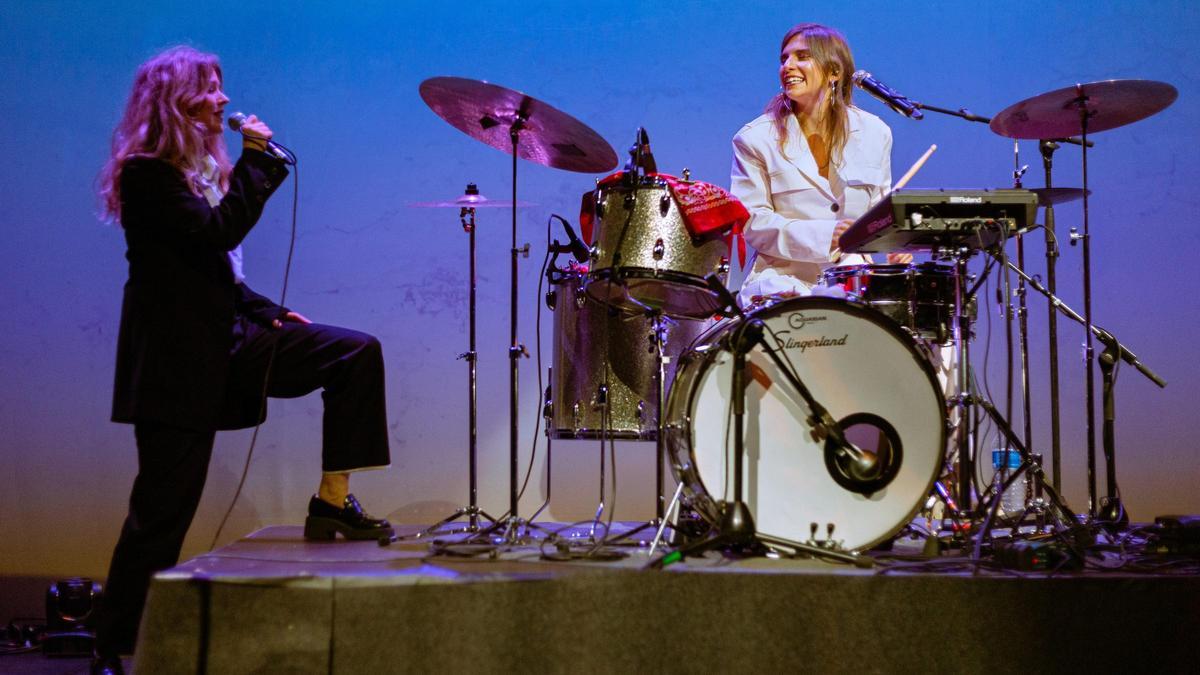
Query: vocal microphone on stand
[(888, 96), (237, 119)]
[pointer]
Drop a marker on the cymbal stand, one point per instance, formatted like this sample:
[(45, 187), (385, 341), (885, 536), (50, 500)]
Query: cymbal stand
[(1023, 332), (1088, 351), (737, 529), (1047, 149), (1113, 510), (512, 524), (472, 511), (1022, 313)]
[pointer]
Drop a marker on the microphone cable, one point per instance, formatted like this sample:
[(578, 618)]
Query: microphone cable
[(262, 404)]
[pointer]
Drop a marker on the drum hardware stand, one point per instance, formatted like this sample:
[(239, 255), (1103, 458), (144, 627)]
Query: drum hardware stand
[(1047, 149), (1031, 463), (547, 417), (1112, 509), (1022, 316), (472, 511), (513, 523), (962, 399), (737, 522), (989, 501), (659, 338), (1088, 351)]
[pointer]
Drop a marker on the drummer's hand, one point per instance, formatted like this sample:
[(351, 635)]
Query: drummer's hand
[(895, 258), (255, 133), (838, 231), (291, 317)]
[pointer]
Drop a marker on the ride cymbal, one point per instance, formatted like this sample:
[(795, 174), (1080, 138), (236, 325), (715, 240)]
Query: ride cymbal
[(1109, 104), (545, 135)]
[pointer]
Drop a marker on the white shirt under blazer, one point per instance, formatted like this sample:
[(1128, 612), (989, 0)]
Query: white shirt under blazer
[(793, 209)]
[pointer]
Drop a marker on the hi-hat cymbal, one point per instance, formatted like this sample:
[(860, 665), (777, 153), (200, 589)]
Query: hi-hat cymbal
[(471, 201), (1109, 104), (546, 135), (1055, 196)]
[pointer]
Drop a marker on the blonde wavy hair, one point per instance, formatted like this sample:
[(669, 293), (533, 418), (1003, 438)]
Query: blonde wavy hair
[(159, 122), (831, 53)]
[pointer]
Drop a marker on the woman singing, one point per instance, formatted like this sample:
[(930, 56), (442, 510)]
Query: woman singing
[(808, 167), (196, 344)]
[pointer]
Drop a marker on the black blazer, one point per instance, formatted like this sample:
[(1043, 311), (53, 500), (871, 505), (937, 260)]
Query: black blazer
[(180, 302)]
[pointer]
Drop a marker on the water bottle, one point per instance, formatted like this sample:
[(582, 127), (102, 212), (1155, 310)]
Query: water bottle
[(1007, 460)]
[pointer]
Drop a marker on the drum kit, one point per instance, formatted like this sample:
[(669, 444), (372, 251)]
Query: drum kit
[(812, 424)]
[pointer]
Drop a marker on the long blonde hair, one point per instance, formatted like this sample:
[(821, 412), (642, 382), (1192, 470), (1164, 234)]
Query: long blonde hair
[(831, 53), (158, 122)]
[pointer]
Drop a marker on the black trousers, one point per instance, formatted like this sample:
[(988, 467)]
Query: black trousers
[(173, 461)]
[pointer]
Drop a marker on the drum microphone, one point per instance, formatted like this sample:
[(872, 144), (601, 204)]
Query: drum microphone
[(575, 245), (863, 80), (640, 156), (237, 119), (859, 469)]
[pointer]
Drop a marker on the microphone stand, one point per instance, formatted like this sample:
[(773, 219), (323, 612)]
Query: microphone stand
[(736, 528), (1112, 510)]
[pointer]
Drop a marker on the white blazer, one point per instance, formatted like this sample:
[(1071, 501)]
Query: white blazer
[(793, 210)]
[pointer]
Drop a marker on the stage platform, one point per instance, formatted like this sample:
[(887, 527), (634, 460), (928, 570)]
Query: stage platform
[(273, 602)]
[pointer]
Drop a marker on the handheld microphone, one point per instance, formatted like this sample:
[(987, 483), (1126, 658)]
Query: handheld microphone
[(863, 80), (237, 119)]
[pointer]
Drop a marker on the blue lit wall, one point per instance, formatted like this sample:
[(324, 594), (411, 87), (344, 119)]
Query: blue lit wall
[(338, 82)]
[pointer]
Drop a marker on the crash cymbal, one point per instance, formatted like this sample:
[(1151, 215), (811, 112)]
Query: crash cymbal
[(546, 135), (473, 201), (1109, 104), (1055, 196)]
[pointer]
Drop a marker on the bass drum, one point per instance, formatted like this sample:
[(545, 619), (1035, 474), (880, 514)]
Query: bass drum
[(867, 373)]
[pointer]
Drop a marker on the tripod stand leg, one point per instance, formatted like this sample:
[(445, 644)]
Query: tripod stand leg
[(666, 518)]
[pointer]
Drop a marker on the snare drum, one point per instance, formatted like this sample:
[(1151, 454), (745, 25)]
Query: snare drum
[(645, 258), (919, 297), (864, 370)]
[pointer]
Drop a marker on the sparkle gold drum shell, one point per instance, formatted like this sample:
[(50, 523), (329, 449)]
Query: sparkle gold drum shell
[(645, 258), (603, 379)]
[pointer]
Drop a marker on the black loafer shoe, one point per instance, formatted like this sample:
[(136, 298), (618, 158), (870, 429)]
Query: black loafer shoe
[(325, 521)]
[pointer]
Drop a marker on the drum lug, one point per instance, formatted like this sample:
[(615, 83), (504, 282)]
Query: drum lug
[(722, 267), (641, 411), (664, 203), (659, 249), (576, 416)]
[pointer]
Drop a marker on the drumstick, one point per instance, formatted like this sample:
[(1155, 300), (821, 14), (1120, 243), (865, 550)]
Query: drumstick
[(912, 171)]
